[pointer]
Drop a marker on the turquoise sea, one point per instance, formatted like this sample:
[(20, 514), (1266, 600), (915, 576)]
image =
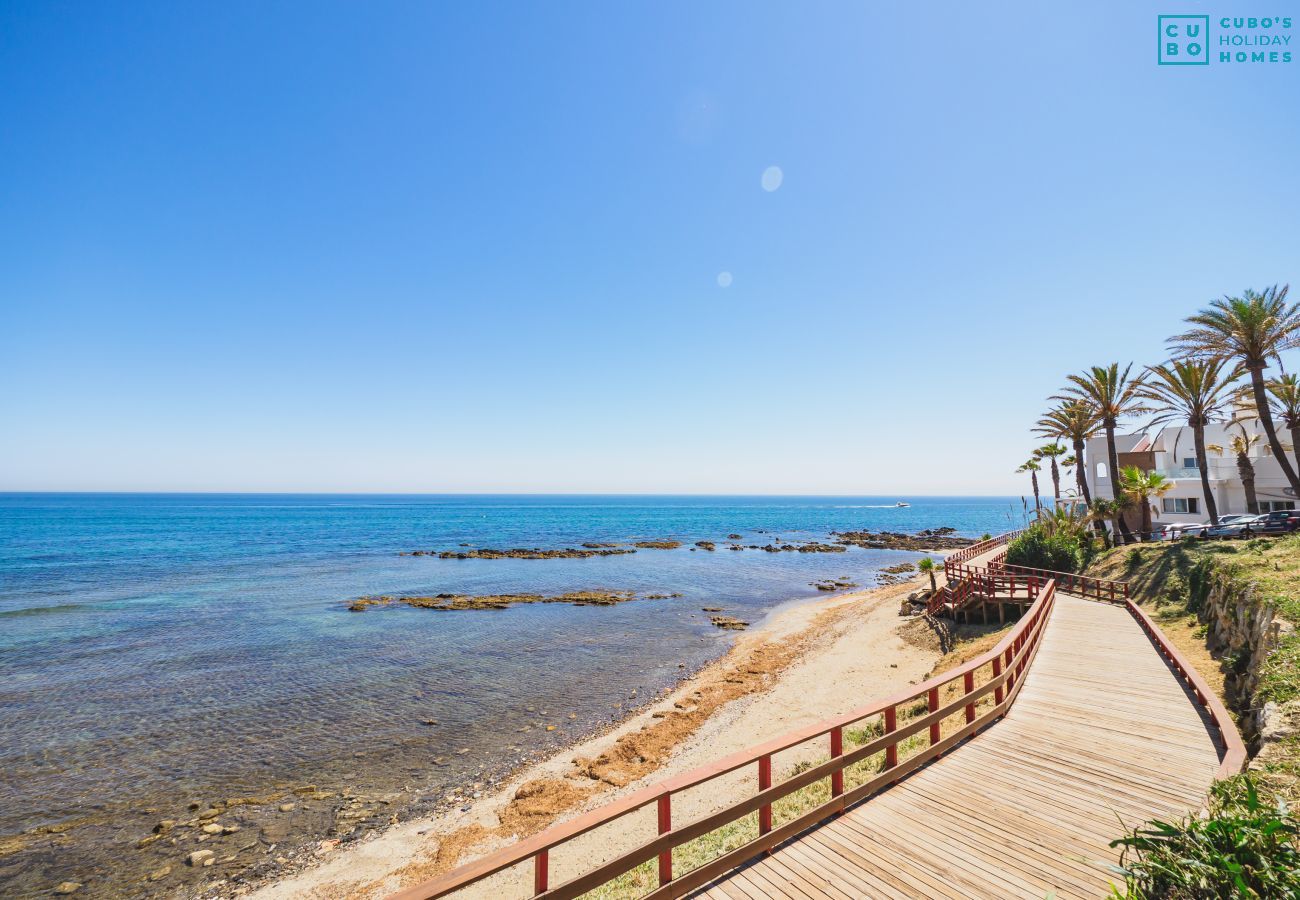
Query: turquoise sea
[(163, 650)]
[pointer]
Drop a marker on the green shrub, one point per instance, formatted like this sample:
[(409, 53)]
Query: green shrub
[(1244, 847), (1059, 552)]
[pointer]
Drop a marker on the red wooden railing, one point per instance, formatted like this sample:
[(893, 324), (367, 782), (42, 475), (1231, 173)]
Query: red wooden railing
[(978, 548), (982, 584), (1083, 585), (999, 672)]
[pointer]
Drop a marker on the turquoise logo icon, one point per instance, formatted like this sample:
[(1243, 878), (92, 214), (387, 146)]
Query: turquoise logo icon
[(1183, 40)]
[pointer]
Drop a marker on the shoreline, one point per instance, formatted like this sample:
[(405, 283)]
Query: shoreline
[(788, 670)]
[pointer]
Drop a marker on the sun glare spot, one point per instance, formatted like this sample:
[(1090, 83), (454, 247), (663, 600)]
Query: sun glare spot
[(724, 279), (772, 178)]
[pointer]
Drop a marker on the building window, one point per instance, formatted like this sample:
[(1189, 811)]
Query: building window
[(1101, 470), (1189, 462), (1190, 505), (1275, 505)]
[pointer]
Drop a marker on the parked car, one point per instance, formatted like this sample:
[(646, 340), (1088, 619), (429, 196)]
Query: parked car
[(1240, 526), (1197, 529), (1279, 521)]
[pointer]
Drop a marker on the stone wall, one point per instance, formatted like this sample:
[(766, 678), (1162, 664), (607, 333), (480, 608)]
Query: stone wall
[(1245, 630)]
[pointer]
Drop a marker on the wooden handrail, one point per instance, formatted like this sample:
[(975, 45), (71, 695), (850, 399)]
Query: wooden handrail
[(1009, 661), (978, 548), (1074, 583)]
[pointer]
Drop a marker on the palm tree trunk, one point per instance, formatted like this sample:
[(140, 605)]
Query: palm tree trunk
[(1112, 457), (1038, 506), (1146, 517), (1056, 481), (1247, 473), (1198, 433), (1295, 442), (1266, 418), (1080, 474)]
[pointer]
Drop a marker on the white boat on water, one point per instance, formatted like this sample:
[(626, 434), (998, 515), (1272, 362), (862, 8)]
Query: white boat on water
[(900, 504)]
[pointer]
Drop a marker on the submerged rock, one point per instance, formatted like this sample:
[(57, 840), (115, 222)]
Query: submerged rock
[(729, 622)]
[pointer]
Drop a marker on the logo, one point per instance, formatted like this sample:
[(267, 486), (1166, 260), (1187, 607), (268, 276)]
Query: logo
[(1182, 40), (1186, 40)]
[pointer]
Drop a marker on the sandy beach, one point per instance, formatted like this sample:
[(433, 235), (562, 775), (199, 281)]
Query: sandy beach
[(805, 662)]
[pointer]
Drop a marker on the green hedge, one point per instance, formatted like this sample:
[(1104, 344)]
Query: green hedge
[(1060, 552)]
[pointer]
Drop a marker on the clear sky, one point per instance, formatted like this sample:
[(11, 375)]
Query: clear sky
[(480, 247)]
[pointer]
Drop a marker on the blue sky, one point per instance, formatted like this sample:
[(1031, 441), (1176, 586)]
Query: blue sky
[(476, 247)]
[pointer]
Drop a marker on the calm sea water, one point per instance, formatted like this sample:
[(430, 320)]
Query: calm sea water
[(155, 649)]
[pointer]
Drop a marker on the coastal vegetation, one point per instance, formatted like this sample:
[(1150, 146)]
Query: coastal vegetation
[(1058, 541), (1245, 846)]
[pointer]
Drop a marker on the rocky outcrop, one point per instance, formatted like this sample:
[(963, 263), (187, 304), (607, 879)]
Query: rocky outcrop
[(523, 553), (834, 584), (929, 539), (498, 601)]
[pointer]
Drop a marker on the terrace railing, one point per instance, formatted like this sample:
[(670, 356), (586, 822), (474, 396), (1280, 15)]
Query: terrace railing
[(974, 694)]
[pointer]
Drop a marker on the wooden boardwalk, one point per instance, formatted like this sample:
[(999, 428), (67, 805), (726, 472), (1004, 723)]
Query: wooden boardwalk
[(1102, 733)]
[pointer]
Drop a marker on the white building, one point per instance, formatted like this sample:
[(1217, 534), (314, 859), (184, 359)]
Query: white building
[(1172, 452)]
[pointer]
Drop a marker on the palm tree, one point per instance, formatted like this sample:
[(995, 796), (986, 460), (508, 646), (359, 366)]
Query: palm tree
[(926, 565), (1142, 486), (1112, 395), (1069, 463), (1108, 512), (1076, 421), (1033, 468), (1252, 329), (1194, 391), (1285, 394), (1051, 452), (1240, 447)]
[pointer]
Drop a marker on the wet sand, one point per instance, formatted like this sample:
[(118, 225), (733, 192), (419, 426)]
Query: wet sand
[(805, 662)]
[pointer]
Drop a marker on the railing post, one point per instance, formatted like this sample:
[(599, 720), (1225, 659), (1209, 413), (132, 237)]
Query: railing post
[(891, 725), (968, 685), (934, 707), (765, 782), (837, 749), (665, 826), (997, 670), (541, 872), (1112, 592), (1011, 672)]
